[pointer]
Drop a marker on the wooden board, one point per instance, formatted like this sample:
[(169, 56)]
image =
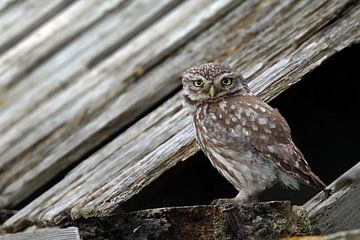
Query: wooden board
[(274, 43), (341, 210), (70, 233), (19, 18)]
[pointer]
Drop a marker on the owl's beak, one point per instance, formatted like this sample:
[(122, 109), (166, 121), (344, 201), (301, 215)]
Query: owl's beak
[(212, 91)]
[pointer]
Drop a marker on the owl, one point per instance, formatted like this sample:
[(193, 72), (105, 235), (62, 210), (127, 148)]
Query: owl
[(245, 139)]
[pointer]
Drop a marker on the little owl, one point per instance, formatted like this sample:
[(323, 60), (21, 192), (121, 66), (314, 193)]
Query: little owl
[(246, 140)]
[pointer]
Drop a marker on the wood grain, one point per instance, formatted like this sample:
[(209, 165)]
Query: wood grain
[(339, 212), (19, 18), (70, 233), (88, 112)]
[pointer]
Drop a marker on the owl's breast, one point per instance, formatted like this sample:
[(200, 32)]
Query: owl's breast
[(219, 123)]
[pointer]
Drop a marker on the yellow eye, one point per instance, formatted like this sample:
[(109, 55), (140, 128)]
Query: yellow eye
[(198, 83), (226, 81)]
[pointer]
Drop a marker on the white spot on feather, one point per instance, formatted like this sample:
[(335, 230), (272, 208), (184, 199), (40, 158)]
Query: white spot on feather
[(267, 130), (213, 116), (262, 109), (243, 121), (246, 132), (263, 136), (223, 106), (262, 120), (271, 149)]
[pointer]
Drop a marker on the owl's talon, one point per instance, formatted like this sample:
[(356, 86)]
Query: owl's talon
[(226, 201), (222, 201)]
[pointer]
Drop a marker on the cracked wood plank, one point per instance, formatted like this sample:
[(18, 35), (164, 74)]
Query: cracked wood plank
[(233, 40), (341, 211)]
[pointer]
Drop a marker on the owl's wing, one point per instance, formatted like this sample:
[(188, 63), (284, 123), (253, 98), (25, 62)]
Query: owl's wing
[(271, 136)]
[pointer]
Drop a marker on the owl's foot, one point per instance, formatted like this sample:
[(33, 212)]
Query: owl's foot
[(226, 201), (241, 198)]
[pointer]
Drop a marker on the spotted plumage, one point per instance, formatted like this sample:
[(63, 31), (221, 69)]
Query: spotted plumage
[(248, 141)]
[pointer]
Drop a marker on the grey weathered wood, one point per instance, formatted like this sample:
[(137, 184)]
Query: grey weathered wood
[(75, 19), (70, 233), (19, 18), (82, 103), (341, 210), (83, 193), (70, 62)]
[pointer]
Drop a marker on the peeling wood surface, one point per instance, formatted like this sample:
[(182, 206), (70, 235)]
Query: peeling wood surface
[(341, 211), (68, 105), (70, 233)]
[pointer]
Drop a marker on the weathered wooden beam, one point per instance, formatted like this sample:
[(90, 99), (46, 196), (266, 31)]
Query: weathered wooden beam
[(269, 220), (127, 164), (19, 18), (113, 28), (341, 210), (47, 39), (76, 120), (70, 233)]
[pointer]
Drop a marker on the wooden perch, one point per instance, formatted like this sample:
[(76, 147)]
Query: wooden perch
[(269, 220), (272, 53)]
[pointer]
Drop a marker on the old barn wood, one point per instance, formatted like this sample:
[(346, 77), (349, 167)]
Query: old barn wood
[(94, 84)]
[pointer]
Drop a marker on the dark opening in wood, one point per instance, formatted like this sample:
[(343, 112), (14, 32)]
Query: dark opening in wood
[(322, 112)]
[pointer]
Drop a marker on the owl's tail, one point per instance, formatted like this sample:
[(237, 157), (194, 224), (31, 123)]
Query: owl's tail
[(315, 181)]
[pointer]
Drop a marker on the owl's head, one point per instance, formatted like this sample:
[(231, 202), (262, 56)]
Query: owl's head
[(211, 82)]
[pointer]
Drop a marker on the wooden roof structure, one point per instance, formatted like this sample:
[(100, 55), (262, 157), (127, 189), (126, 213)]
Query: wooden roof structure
[(92, 86)]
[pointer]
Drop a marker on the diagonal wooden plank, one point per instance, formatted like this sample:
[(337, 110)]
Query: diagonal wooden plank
[(76, 58), (83, 101), (18, 61), (19, 18), (118, 171)]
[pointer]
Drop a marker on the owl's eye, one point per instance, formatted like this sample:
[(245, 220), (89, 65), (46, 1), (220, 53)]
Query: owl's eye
[(198, 83), (226, 81)]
